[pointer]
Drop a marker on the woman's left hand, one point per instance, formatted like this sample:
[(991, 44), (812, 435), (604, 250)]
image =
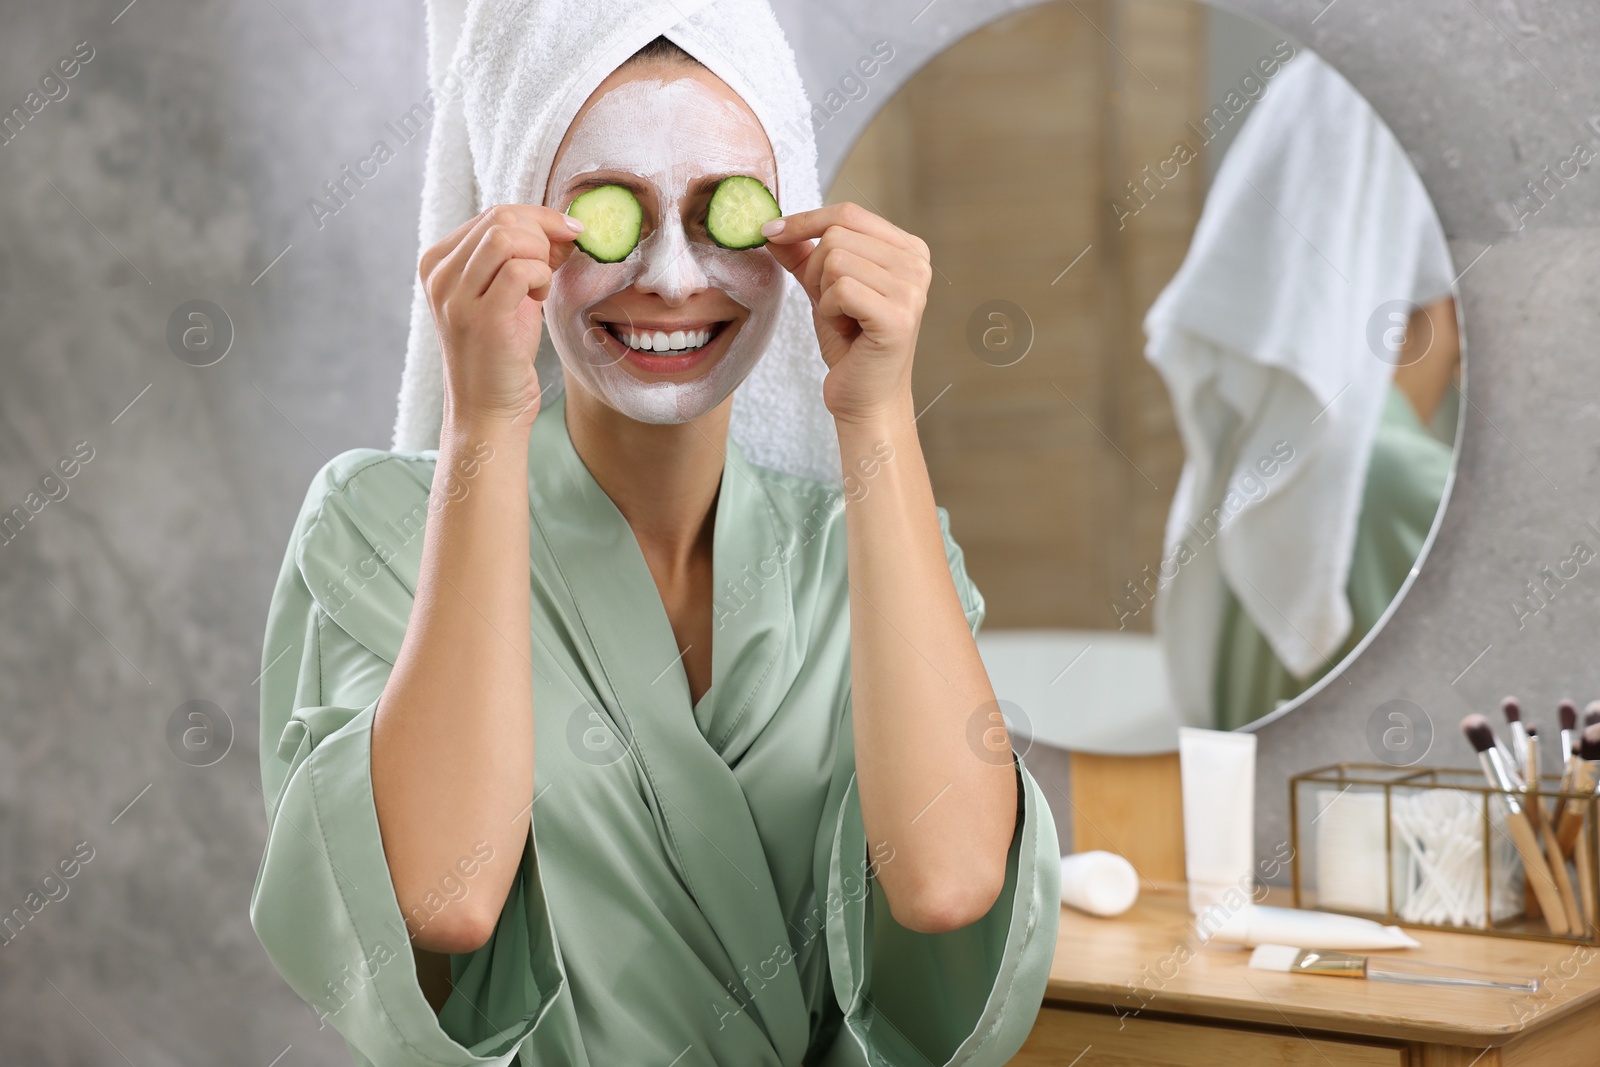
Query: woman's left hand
[(868, 283)]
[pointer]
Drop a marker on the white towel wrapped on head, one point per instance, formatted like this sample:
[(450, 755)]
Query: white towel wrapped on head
[(510, 75)]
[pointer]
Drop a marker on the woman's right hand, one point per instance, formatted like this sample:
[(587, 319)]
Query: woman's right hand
[(486, 284)]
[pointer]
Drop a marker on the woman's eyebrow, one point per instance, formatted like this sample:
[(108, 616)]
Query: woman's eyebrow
[(597, 181), (697, 187), (710, 181)]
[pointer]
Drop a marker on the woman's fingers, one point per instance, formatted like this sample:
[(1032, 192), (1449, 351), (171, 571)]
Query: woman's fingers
[(498, 234), (450, 256), (851, 298), (891, 269), (809, 225), (516, 231), (497, 245), (840, 263), (432, 257), (516, 279), (879, 242)]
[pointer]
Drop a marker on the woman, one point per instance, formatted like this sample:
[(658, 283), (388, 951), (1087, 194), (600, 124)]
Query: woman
[(740, 781)]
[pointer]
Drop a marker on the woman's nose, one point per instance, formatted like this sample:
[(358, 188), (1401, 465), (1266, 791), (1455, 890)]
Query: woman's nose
[(671, 270)]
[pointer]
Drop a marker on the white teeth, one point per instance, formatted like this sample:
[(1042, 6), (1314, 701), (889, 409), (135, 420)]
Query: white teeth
[(679, 341)]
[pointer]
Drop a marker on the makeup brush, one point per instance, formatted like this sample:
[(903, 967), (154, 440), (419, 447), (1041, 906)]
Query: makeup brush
[(1525, 755), (1528, 754), (1511, 758), (1571, 834), (1547, 834), (1290, 960), (1519, 734), (1580, 852), (1518, 824), (1568, 712), (1589, 743), (1579, 781), (1591, 714)]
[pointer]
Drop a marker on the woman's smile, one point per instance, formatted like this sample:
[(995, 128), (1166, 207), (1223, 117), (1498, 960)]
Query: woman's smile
[(663, 347)]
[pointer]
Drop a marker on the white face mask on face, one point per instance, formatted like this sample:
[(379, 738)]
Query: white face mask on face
[(668, 135)]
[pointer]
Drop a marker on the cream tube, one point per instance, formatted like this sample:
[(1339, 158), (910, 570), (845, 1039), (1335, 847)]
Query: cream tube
[(1219, 799), (1257, 924), (1100, 883)]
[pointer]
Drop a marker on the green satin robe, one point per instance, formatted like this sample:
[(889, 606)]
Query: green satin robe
[(694, 887)]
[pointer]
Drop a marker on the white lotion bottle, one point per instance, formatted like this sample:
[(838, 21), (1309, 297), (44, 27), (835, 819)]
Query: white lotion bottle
[(1219, 809)]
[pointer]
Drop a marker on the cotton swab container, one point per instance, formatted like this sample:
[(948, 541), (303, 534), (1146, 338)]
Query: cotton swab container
[(1430, 841), (1439, 848)]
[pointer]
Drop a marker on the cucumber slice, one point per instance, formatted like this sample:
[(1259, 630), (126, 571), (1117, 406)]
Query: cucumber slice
[(612, 219), (739, 208)]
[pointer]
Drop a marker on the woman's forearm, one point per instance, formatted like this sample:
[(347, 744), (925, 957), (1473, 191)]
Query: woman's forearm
[(944, 803), (452, 737)]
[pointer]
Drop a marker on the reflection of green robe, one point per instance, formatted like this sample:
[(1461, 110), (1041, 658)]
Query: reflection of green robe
[(693, 891), (1405, 484)]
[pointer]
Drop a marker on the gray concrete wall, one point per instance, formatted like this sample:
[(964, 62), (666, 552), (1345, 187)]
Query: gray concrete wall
[(178, 168)]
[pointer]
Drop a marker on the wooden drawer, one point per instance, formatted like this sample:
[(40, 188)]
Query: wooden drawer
[(1066, 1038)]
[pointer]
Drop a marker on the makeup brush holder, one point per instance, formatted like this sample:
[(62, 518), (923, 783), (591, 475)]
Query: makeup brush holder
[(1437, 848)]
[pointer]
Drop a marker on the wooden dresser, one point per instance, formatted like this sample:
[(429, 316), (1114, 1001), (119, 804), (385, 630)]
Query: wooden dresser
[(1138, 991)]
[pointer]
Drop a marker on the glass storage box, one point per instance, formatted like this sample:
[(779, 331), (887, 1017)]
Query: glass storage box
[(1438, 848)]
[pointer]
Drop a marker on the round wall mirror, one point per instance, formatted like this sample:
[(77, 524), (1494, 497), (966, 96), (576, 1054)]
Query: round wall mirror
[(1188, 379)]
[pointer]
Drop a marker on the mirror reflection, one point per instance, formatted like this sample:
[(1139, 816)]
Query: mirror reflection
[(1189, 373)]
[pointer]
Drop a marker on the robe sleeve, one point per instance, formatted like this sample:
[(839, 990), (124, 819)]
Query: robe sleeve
[(323, 905), (968, 996)]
